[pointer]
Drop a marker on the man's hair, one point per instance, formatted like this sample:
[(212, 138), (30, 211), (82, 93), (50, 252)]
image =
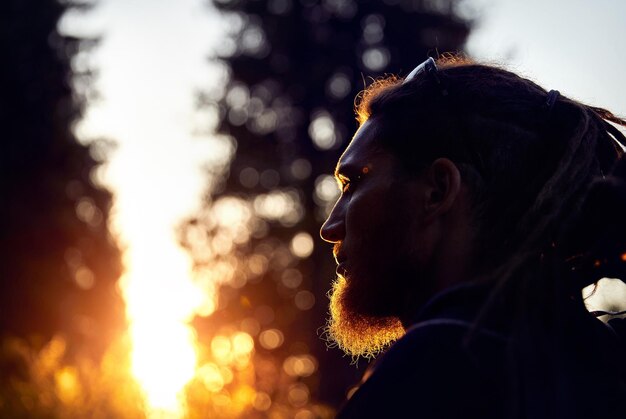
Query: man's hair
[(529, 165)]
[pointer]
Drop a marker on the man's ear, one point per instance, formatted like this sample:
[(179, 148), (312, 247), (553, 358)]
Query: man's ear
[(443, 181)]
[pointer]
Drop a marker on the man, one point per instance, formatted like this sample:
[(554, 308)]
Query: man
[(451, 235)]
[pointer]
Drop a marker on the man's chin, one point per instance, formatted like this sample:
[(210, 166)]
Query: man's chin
[(355, 333)]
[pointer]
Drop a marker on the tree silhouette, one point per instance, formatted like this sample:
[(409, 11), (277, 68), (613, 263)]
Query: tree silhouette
[(59, 263), (287, 109)]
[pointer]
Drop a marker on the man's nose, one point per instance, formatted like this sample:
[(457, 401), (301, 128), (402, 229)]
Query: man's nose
[(333, 230)]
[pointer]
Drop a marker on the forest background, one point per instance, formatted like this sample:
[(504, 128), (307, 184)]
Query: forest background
[(166, 168)]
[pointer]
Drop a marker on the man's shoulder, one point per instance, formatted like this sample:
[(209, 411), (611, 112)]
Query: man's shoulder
[(444, 338), (445, 365), (452, 328)]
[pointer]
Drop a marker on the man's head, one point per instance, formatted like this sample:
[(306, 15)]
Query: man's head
[(441, 184), (389, 228)]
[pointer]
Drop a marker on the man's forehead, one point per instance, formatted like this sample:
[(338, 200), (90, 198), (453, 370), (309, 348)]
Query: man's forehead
[(360, 151)]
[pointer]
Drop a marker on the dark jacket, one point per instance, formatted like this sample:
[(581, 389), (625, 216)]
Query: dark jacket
[(445, 367)]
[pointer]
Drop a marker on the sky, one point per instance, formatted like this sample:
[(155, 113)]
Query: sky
[(153, 58), (573, 46)]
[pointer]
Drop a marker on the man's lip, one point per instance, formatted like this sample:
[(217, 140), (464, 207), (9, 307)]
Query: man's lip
[(341, 269), (340, 258)]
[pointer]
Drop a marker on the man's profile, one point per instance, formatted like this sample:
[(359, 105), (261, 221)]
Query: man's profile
[(475, 206)]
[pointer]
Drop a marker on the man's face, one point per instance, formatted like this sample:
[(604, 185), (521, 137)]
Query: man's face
[(375, 226)]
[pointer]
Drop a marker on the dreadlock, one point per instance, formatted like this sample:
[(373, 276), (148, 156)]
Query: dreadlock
[(532, 166)]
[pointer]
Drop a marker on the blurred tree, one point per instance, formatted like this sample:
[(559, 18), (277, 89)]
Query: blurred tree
[(59, 265), (286, 106)]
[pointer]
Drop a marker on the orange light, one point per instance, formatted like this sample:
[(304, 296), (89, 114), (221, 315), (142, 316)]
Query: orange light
[(271, 338), (262, 401), (67, 384), (161, 297), (623, 257), (211, 377)]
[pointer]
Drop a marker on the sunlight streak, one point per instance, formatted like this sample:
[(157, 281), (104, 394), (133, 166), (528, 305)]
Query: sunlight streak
[(161, 299), (157, 172)]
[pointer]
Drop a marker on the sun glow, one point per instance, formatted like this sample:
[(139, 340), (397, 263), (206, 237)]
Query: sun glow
[(161, 299), (157, 173), (163, 384)]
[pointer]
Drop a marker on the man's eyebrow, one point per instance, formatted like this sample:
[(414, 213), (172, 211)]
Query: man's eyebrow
[(348, 171), (343, 171)]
